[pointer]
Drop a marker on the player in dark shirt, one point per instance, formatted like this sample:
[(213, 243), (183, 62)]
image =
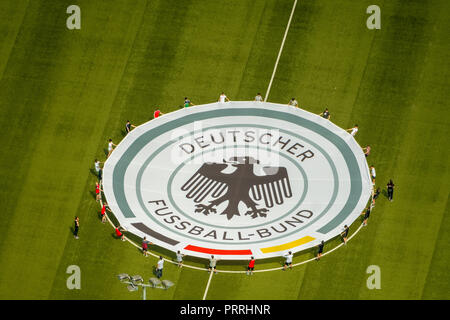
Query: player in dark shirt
[(344, 234), (366, 215), (325, 114), (100, 174), (375, 196), (128, 126), (390, 190), (319, 252), (77, 226)]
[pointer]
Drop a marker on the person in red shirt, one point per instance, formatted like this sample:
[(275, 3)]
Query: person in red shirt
[(145, 244), (97, 191), (157, 113), (103, 213), (251, 266), (120, 234)]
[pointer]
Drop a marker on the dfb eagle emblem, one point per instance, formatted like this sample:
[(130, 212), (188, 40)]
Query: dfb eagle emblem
[(240, 185)]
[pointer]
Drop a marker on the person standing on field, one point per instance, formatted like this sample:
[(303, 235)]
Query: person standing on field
[(320, 251), (366, 215), (344, 234), (98, 191), (258, 98), (159, 267), (97, 166), (325, 114), (119, 233), (187, 102), (100, 174), (223, 98), (103, 212), (128, 126), (375, 195), (157, 113), (251, 266), (373, 174), (179, 259), (111, 146), (366, 151), (293, 102), (390, 190), (77, 226), (288, 261), (212, 264), (145, 244), (353, 130)]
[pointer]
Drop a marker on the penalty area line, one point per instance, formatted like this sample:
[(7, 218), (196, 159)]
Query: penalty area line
[(281, 50)]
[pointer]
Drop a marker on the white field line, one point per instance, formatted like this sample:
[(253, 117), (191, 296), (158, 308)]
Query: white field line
[(281, 50), (207, 286)]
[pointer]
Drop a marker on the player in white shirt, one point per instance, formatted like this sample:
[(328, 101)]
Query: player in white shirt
[(373, 174), (223, 98), (97, 165), (213, 264), (258, 98), (293, 102), (180, 259), (159, 267), (353, 130), (288, 261), (110, 147)]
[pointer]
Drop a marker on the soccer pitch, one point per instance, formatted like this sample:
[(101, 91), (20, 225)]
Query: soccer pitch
[(64, 93)]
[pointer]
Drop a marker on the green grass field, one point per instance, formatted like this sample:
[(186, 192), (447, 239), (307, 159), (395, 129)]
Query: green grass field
[(64, 93)]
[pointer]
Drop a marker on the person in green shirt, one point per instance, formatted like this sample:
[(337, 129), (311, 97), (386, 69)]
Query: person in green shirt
[(187, 102)]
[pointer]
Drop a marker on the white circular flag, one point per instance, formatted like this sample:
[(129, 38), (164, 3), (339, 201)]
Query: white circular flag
[(237, 179)]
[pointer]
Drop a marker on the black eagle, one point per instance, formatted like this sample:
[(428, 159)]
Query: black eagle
[(240, 185)]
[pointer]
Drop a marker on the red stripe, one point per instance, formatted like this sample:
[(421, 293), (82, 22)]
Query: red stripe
[(218, 251)]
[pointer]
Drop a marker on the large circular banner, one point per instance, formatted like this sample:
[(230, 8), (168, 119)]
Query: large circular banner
[(237, 179)]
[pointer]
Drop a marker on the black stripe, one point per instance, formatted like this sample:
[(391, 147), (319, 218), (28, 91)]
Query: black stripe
[(142, 227)]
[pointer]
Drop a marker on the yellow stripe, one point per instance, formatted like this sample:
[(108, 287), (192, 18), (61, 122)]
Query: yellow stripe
[(288, 245)]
